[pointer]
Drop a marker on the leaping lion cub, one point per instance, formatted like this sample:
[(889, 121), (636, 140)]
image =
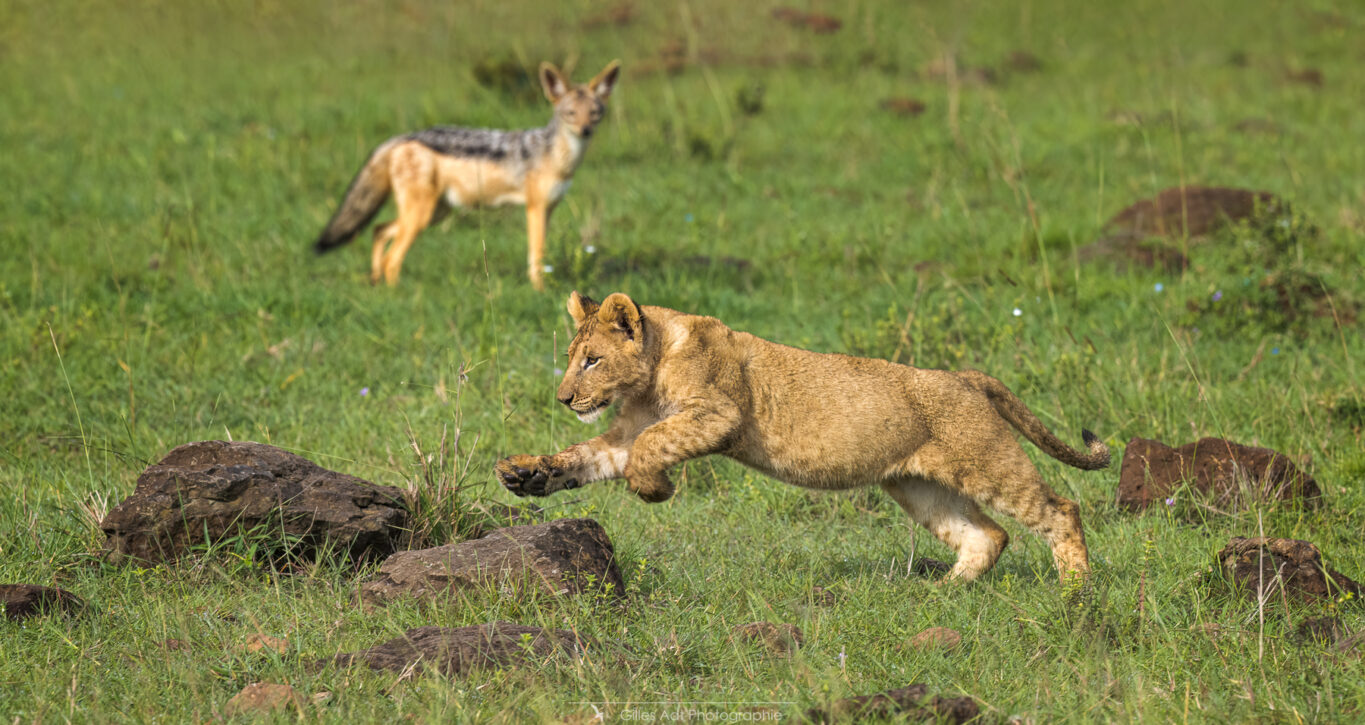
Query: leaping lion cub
[(938, 441)]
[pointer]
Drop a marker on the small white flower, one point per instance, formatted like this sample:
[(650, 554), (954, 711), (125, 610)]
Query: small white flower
[(549, 269), (558, 372), (1018, 312), (1158, 286), (590, 249)]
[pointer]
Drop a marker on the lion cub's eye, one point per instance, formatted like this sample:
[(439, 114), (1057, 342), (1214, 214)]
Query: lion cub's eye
[(590, 361)]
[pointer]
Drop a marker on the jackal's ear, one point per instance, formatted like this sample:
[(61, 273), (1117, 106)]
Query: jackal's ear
[(603, 82), (622, 313), (581, 307), (553, 82)]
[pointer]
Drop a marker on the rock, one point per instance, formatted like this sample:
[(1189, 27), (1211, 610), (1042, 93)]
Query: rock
[(924, 566), (906, 704), (21, 601), (213, 490), (458, 650), (1227, 473), (1262, 566), (565, 556), (261, 697), (780, 639), (941, 639), (1192, 211)]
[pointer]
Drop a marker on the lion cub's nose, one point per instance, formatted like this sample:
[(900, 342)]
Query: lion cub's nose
[(565, 398)]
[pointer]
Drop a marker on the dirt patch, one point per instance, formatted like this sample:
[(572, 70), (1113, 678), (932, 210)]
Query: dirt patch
[(1311, 77), (21, 601), (780, 639), (1263, 568), (565, 556), (823, 597), (1320, 630), (1132, 250), (904, 106), (1191, 211), (619, 15), (935, 639), (1227, 475), (458, 650), (263, 697), (814, 22), (215, 490), (906, 704), (1022, 61)]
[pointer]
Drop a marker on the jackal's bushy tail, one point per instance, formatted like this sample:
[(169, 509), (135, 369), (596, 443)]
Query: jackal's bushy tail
[(1013, 410), (366, 194)]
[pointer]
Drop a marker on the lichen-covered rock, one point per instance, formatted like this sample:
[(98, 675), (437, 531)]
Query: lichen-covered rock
[(564, 556), (21, 601), (1263, 567), (214, 490), (1192, 210), (458, 650), (1227, 473)]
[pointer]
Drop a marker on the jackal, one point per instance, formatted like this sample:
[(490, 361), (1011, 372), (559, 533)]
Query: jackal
[(430, 171)]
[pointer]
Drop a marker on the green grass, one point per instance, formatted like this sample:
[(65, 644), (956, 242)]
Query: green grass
[(166, 166)]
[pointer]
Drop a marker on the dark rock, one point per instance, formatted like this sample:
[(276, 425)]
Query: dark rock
[(906, 704), (1022, 61), (780, 639), (1306, 76), (1192, 211), (1227, 473), (1127, 250), (21, 601), (1262, 567), (458, 650), (215, 490), (565, 556), (924, 566)]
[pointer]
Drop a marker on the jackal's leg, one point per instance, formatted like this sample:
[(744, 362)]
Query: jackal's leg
[(955, 520), (416, 205), (597, 459), (382, 235), (537, 221)]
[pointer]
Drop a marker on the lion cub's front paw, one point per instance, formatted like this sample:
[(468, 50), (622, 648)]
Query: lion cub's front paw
[(651, 489), (529, 475)]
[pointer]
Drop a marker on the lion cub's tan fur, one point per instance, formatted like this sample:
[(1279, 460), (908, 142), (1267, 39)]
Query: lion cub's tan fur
[(938, 442)]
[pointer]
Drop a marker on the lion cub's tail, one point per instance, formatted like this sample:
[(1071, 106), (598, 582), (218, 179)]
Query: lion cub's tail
[(1013, 410)]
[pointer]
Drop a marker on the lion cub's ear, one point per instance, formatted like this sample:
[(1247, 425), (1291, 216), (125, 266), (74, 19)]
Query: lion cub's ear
[(622, 313), (581, 307)]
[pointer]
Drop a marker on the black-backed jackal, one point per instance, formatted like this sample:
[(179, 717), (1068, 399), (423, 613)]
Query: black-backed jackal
[(430, 171)]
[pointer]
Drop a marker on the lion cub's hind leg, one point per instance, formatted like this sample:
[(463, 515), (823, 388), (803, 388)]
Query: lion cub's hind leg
[(1007, 481), (955, 520)]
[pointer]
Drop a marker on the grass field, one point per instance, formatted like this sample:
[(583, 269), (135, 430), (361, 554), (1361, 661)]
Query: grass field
[(167, 165)]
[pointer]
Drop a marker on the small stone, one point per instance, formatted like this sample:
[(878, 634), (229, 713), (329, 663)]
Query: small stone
[(260, 697), (1263, 567), (781, 639)]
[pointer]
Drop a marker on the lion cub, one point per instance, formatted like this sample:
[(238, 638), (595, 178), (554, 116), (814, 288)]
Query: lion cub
[(938, 442)]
